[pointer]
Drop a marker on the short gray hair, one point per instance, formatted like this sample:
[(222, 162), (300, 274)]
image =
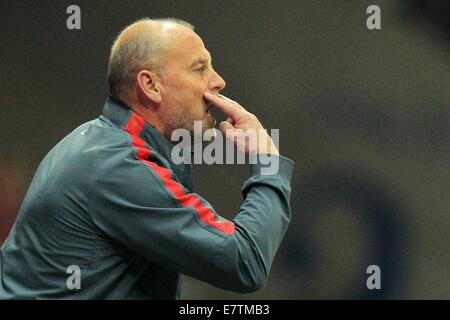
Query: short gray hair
[(143, 50)]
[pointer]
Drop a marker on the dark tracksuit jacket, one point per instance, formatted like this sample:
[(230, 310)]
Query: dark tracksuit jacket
[(108, 199)]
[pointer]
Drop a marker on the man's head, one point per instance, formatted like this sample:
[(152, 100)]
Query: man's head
[(162, 69)]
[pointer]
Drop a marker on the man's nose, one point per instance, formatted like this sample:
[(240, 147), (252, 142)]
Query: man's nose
[(217, 83)]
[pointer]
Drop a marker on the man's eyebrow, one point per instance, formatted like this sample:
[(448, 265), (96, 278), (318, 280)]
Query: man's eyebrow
[(200, 61)]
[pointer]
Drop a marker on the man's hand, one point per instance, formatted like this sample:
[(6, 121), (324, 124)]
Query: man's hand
[(242, 127)]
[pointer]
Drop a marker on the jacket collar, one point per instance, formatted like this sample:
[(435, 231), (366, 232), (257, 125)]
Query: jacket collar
[(120, 114)]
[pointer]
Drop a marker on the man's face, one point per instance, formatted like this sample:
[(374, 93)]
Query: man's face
[(188, 74)]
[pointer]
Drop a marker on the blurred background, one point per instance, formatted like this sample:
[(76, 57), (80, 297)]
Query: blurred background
[(363, 113)]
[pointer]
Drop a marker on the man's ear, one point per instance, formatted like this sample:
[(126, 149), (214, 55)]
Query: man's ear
[(149, 84)]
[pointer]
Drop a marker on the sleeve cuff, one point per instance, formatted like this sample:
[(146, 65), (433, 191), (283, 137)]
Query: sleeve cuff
[(270, 164)]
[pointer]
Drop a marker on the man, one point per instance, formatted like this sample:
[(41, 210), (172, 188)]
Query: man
[(108, 214)]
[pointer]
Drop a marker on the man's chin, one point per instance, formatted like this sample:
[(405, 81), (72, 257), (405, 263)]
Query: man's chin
[(200, 126), (210, 121), (207, 132)]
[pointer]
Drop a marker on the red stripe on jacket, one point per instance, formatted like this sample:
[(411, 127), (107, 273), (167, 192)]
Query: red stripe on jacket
[(134, 127)]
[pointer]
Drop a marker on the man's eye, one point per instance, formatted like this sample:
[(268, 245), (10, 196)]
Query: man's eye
[(201, 69)]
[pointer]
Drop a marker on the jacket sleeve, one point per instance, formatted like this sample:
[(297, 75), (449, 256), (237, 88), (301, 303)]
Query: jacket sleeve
[(143, 206)]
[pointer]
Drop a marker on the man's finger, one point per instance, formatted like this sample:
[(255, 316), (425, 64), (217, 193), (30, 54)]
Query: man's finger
[(225, 125), (232, 102), (227, 106)]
